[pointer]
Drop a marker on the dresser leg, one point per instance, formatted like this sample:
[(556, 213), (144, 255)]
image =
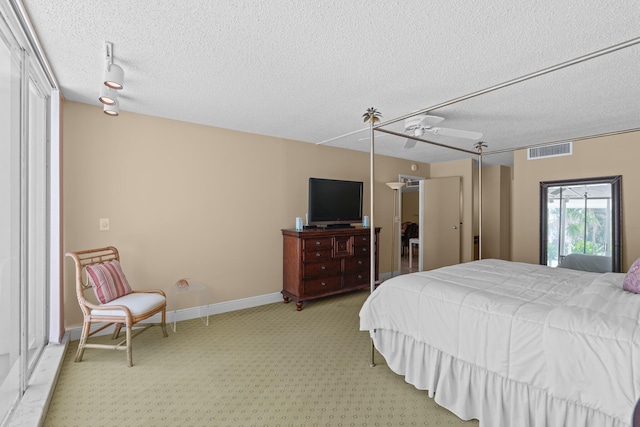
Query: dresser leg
[(299, 305), (285, 298)]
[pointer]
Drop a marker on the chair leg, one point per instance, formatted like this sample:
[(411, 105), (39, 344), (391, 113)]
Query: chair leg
[(116, 331), (129, 355), (164, 323), (86, 326)]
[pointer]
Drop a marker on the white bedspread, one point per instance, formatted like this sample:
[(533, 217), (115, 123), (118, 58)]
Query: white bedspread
[(566, 340)]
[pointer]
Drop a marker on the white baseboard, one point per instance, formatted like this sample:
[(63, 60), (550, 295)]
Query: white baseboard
[(196, 312)]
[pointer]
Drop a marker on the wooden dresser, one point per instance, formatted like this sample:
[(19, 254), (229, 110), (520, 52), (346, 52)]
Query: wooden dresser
[(321, 262)]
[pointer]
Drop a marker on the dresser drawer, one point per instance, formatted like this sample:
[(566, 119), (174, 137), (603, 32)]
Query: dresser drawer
[(356, 264), (321, 285), (317, 243), (356, 279), (361, 240), (361, 251), (316, 255), (310, 269)]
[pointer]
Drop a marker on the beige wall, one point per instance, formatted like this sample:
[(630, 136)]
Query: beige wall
[(194, 201), (496, 212), (613, 155)]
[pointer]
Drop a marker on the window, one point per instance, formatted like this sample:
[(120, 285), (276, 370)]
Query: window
[(24, 211), (581, 217)]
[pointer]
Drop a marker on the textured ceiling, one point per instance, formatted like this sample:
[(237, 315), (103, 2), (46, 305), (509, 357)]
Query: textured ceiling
[(307, 70)]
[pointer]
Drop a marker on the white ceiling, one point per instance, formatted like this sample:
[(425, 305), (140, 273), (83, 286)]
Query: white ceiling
[(307, 69)]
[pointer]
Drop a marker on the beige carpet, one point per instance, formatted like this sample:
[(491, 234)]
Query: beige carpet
[(264, 366)]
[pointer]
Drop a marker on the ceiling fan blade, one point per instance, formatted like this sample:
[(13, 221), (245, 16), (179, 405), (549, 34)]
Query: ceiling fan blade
[(409, 143), (427, 121), (456, 133)]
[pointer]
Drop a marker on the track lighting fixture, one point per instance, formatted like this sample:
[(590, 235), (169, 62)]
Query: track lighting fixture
[(113, 82), (112, 109)]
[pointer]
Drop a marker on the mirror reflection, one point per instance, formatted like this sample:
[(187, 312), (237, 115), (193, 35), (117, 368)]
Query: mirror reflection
[(580, 224)]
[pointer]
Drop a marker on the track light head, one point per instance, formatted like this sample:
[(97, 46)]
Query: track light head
[(114, 76), (112, 110), (107, 96)]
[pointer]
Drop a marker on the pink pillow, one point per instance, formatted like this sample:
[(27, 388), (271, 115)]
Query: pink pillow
[(108, 281), (632, 279)]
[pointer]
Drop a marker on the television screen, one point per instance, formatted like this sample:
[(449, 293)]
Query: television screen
[(334, 202)]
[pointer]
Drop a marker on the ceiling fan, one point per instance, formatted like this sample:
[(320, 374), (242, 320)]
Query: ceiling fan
[(422, 123)]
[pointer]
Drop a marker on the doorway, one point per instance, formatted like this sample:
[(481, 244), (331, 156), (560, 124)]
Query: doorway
[(409, 213)]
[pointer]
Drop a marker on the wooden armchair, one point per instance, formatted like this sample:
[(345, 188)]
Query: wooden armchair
[(116, 303)]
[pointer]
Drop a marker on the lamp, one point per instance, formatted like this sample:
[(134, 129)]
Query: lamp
[(113, 74), (395, 186), (112, 109), (107, 95)]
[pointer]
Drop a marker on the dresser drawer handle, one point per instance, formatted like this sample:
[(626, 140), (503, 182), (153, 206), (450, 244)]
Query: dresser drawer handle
[(359, 262), (364, 249), (359, 276), (318, 254), (323, 268), (318, 243), (323, 284)]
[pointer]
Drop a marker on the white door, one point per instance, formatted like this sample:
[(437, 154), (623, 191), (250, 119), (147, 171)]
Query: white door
[(439, 223)]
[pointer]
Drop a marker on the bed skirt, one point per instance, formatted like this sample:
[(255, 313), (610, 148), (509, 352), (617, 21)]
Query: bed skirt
[(471, 392)]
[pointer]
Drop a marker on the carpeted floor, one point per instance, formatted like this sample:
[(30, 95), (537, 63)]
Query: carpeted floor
[(264, 366)]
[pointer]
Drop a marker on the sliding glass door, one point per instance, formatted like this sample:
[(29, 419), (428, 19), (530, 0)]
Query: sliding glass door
[(10, 224), (24, 212)]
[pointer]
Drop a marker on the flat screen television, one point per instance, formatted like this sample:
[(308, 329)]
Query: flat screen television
[(334, 203)]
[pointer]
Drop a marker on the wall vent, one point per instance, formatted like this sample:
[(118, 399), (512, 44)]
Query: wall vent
[(555, 150)]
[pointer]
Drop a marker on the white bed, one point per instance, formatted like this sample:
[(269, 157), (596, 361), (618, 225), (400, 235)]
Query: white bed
[(513, 344)]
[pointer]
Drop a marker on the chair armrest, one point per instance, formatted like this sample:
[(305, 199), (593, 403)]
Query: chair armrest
[(150, 291)]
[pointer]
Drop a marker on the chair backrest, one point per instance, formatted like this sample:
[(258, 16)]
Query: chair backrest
[(411, 231), (85, 258)]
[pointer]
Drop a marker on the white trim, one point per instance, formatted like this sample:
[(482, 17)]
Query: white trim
[(197, 312), (55, 233), (240, 304)]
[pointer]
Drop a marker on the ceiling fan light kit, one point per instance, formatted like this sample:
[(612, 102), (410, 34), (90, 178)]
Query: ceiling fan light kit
[(113, 82)]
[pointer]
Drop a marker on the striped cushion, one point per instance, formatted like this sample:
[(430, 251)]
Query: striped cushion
[(108, 281)]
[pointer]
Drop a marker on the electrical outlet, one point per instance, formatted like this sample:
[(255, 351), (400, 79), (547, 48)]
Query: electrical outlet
[(104, 224)]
